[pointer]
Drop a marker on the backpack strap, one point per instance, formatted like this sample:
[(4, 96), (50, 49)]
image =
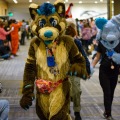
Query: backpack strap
[(79, 45)]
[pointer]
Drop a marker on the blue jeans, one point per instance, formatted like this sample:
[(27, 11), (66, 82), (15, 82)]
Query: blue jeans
[(1, 42), (6, 56), (4, 109)]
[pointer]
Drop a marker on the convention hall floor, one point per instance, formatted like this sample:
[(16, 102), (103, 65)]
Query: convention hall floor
[(11, 72)]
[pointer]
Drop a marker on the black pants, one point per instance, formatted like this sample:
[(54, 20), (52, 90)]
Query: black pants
[(22, 41), (108, 81)]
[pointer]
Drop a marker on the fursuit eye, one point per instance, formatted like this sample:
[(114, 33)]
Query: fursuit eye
[(41, 24), (54, 23)]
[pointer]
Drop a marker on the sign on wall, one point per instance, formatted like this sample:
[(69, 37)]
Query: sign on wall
[(10, 14)]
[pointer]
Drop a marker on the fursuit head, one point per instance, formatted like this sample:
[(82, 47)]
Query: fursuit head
[(48, 20)]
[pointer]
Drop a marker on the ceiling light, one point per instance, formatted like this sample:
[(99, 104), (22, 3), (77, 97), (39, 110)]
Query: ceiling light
[(101, 0), (112, 1), (80, 2), (66, 0), (30, 0), (96, 2), (15, 1)]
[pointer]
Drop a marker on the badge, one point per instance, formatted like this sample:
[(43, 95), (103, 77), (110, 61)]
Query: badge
[(50, 61), (112, 67), (110, 53)]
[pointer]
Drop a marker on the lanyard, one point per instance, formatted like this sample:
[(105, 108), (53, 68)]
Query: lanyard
[(50, 51), (51, 59)]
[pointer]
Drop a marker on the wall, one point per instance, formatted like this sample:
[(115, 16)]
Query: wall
[(3, 8), (116, 7), (96, 9), (21, 11)]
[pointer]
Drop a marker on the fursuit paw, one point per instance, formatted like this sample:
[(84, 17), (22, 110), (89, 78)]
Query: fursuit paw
[(74, 70), (85, 77), (77, 70), (72, 73), (116, 58), (26, 101)]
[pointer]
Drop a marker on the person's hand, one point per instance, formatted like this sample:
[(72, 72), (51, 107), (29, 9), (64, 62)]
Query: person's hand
[(12, 29), (8, 29), (26, 101), (85, 77)]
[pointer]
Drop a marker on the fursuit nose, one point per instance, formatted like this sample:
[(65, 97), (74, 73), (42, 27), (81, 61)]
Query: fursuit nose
[(111, 42), (48, 33)]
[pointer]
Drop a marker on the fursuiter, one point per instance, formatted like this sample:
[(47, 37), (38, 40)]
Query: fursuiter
[(109, 36), (108, 52), (51, 58)]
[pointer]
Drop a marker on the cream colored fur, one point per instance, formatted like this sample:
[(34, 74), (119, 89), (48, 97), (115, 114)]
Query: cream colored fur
[(44, 29), (51, 100), (33, 5), (63, 26), (57, 1), (61, 58)]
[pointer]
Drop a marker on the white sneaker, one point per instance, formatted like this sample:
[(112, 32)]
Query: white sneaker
[(12, 56)]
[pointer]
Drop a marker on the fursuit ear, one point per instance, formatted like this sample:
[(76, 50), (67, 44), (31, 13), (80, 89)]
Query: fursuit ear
[(100, 22), (116, 20), (33, 10), (60, 8)]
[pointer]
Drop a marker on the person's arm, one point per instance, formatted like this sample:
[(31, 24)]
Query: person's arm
[(29, 78), (4, 32), (96, 59)]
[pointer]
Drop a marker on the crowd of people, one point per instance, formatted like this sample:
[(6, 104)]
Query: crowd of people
[(15, 32), (87, 31), (12, 34)]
